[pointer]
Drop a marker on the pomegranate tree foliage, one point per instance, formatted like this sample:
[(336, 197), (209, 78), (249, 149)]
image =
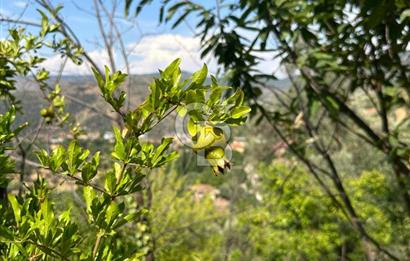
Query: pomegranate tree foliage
[(344, 60), (29, 225)]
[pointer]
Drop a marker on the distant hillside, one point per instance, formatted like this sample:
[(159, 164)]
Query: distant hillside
[(82, 90), (78, 90)]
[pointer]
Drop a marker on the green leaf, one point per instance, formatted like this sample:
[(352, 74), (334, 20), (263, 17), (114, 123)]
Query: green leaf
[(90, 168), (169, 157), (171, 68), (155, 94), (57, 158), (16, 207), (192, 127), (43, 158), (199, 77), (313, 107), (172, 10), (405, 15), (215, 96), (47, 250), (6, 233), (128, 218), (332, 105), (181, 110), (44, 22), (75, 156), (112, 213), (42, 75), (176, 78), (181, 18), (119, 148), (98, 78), (89, 195), (47, 213), (160, 150), (118, 171), (236, 99), (110, 182), (65, 216), (236, 122), (240, 111)]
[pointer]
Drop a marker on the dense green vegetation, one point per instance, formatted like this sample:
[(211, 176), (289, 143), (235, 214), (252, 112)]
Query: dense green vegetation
[(319, 171)]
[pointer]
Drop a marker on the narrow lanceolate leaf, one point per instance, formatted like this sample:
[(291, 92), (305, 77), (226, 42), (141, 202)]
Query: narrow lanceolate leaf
[(89, 195), (155, 94), (110, 182), (43, 157), (16, 207), (240, 111), (57, 158), (98, 77), (119, 148), (192, 127), (112, 213), (169, 71), (89, 170), (72, 153), (182, 111), (236, 99), (199, 77), (47, 213), (75, 157), (215, 95), (160, 150)]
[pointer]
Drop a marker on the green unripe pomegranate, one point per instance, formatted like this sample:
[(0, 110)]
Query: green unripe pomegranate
[(214, 153)]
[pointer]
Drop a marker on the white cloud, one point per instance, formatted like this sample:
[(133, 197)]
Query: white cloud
[(156, 52), (20, 4), (270, 64), (54, 63), (5, 13), (147, 56)]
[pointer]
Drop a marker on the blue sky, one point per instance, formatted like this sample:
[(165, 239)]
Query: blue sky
[(151, 46), (78, 14)]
